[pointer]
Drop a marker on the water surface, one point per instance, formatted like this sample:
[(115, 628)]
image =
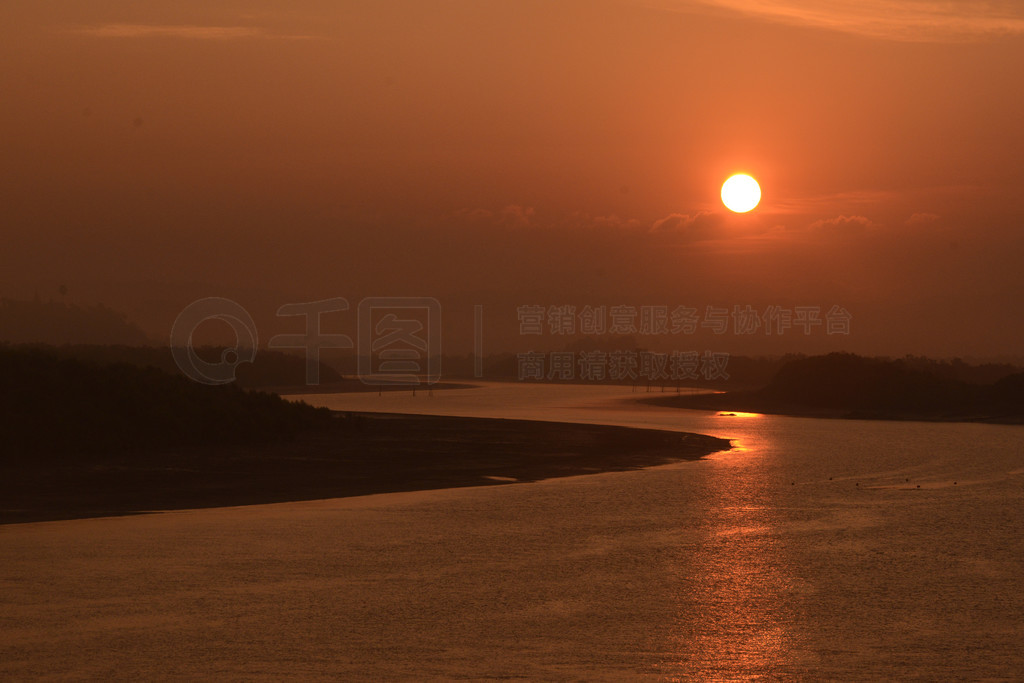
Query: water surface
[(813, 549)]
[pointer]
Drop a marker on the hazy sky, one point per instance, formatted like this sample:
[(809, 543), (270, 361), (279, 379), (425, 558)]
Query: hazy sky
[(506, 152)]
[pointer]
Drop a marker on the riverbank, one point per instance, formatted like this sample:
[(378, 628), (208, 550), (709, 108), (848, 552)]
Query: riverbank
[(364, 453), (353, 386), (847, 386), (753, 402)]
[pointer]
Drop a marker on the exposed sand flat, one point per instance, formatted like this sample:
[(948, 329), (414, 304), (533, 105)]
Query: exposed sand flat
[(366, 454)]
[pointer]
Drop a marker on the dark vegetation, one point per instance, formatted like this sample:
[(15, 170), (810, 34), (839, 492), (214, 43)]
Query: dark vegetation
[(273, 371), (958, 369), (87, 438), (56, 322), (61, 406), (361, 454), (846, 385), (101, 335), (269, 369)]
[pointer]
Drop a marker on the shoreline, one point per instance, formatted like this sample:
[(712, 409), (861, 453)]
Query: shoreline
[(355, 386), (362, 454), (747, 402)]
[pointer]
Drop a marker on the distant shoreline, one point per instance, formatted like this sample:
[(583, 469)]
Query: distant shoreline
[(353, 386), (750, 402), (365, 453)]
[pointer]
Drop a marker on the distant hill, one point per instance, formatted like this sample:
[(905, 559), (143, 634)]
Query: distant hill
[(62, 406), (849, 382), (269, 369), (56, 322), (1010, 389), (847, 385), (957, 368)]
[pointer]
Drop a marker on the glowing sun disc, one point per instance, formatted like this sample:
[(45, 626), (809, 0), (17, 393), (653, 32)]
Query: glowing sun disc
[(741, 193)]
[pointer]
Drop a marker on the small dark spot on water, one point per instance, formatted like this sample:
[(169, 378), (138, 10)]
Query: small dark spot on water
[(138, 122)]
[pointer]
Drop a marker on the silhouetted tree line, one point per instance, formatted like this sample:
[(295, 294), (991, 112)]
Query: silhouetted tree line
[(269, 369), (851, 382), (55, 405), (103, 335), (56, 322), (957, 368)]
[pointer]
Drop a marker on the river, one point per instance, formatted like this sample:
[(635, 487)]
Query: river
[(814, 549)]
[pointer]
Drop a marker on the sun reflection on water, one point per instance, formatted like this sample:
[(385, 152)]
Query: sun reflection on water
[(733, 587)]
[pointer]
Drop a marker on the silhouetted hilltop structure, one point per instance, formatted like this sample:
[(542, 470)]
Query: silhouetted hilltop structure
[(851, 386), (56, 322), (63, 406)]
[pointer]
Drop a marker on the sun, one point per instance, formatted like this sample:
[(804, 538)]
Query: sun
[(741, 193)]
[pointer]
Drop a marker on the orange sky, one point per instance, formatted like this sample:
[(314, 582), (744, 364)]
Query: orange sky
[(516, 152)]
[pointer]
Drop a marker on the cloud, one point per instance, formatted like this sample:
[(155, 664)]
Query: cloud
[(902, 20), (922, 218), (517, 217), (857, 199), (611, 223), (701, 227), (183, 31), (844, 224), (512, 216), (679, 222)]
